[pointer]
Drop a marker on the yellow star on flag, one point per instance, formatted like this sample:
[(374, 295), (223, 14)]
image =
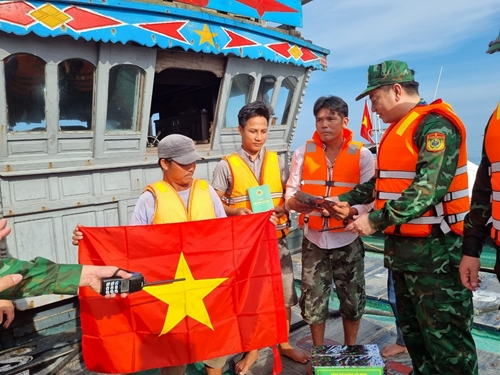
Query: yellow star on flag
[(185, 298), (365, 122), (206, 36)]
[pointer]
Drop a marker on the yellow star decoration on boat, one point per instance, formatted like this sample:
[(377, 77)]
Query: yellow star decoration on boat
[(206, 36), (185, 298)]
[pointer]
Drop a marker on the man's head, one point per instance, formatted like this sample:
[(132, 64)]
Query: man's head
[(392, 89), (177, 158), (494, 45), (253, 109), (253, 120), (331, 118)]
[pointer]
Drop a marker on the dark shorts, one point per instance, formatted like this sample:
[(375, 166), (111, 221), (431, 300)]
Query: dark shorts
[(343, 266)]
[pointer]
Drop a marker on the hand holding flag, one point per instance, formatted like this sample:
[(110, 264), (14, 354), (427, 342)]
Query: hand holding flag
[(230, 302)]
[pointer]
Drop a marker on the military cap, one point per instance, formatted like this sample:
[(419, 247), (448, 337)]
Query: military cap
[(387, 73), (494, 46)]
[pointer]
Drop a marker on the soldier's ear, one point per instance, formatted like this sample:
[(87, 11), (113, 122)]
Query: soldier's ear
[(398, 91)]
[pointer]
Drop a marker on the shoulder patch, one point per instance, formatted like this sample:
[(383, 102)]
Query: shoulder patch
[(435, 142)]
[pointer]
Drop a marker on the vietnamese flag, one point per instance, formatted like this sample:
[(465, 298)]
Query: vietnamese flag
[(231, 300), (366, 124)]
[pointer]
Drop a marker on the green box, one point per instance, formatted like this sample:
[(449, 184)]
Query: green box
[(348, 371), (347, 364)]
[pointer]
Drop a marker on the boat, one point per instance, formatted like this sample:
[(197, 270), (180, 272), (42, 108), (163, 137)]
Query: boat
[(88, 89)]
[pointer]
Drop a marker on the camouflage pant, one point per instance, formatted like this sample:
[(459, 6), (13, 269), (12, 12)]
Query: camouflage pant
[(496, 268), (289, 292), (320, 267), (435, 313)]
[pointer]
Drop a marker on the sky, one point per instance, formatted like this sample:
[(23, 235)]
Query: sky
[(432, 36)]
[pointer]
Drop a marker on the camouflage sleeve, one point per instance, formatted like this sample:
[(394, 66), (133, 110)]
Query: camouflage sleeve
[(434, 172), (475, 229), (361, 194), (40, 276)]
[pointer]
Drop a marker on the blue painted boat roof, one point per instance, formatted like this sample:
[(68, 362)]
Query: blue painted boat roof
[(162, 25)]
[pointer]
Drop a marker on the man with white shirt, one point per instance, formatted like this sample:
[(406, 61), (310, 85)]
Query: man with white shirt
[(328, 165)]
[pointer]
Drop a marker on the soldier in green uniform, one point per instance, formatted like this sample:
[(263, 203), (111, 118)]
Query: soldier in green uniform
[(477, 222), (20, 278), (421, 159)]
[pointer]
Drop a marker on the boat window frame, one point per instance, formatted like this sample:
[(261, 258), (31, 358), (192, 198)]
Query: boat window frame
[(280, 133), (44, 143)]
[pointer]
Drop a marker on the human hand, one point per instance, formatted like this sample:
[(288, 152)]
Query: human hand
[(243, 211), (4, 231), (7, 310), (279, 211), (300, 207), (469, 272), (9, 281), (360, 225), (92, 276), (342, 210), (77, 235), (273, 219)]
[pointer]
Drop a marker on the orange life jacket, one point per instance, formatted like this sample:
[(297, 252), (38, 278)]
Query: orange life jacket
[(394, 176), (244, 178), (169, 207), (318, 179), (491, 146)]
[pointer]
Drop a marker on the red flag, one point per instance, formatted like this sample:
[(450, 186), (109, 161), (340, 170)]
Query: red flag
[(366, 124), (231, 300)]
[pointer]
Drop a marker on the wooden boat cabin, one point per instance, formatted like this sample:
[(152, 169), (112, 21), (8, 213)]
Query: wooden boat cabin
[(88, 88)]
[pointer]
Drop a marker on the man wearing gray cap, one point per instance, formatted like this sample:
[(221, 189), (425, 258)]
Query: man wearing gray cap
[(421, 198), (485, 201), (177, 198)]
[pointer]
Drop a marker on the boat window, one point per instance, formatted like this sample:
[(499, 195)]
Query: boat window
[(285, 97), (184, 102), (25, 92), (266, 89), (76, 89), (239, 95), (124, 99)]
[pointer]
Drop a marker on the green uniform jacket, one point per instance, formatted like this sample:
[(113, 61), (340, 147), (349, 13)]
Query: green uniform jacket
[(40, 276), (434, 174), (476, 230)]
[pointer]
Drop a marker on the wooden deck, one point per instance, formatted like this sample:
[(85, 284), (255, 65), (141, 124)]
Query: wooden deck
[(377, 327)]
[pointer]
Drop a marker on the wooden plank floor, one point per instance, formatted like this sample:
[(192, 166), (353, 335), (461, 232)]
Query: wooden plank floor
[(373, 330)]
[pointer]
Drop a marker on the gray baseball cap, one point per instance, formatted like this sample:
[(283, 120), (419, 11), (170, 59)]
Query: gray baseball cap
[(179, 148)]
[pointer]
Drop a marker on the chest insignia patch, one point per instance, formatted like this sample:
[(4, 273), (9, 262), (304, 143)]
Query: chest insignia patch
[(435, 142)]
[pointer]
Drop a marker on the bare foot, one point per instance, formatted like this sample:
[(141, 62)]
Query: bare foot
[(248, 360), (309, 369), (295, 355), (393, 349)]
